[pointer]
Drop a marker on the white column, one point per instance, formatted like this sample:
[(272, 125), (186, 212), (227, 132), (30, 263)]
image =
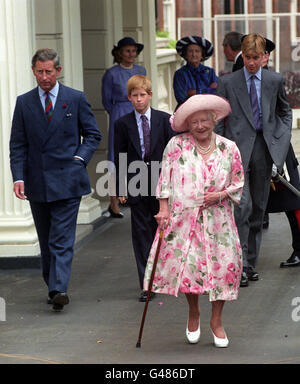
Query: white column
[(90, 208), (207, 25), (72, 47), (139, 22), (170, 18), (149, 40), (114, 24), (17, 232), (269, 11), (101, 27)]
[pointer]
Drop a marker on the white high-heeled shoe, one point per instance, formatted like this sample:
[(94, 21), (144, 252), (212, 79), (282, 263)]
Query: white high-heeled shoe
[(193, 337), (219, 341)]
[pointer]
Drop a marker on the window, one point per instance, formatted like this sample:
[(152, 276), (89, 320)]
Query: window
[(237, 7), (295, 20)]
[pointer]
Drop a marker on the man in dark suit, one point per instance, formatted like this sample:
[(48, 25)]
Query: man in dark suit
[(48, 164), (260, 124), (232, 49), (142, 136)]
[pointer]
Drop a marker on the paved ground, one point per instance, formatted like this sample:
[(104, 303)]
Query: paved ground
[(101, 323)]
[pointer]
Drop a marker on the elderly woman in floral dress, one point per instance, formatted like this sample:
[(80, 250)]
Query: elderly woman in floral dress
[(201, 180)]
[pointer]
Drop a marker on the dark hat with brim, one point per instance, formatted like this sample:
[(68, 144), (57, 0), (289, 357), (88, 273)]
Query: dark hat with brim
[(207, 47), (270, 46), (127, 41)]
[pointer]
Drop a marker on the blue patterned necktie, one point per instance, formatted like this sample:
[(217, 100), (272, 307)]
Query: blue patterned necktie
[(48, 107), (146, 133), (254, 105)]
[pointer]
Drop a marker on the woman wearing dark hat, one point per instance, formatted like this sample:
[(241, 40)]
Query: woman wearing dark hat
[(194, 78), (114, 94)]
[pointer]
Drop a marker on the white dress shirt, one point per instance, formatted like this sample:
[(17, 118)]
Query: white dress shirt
[(53, 95)]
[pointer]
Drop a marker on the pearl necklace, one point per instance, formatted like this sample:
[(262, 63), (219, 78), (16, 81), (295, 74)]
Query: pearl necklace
[(205, 150)]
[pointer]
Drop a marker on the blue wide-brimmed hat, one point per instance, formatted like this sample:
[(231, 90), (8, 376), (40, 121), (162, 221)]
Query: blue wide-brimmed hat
[(206, 45), (127, 41)]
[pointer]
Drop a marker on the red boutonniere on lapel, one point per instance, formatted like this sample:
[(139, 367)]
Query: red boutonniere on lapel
[(68, 115)]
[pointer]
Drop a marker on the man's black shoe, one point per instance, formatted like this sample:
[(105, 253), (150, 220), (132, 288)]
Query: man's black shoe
[(244, 280), (50, 296), (143, 296), (252, 275), (293, 261), (59, 301)]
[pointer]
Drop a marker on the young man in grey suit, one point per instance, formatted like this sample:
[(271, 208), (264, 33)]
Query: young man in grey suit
[(260, 124), (54, 135)]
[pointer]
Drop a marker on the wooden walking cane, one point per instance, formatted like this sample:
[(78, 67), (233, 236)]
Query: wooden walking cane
[(161, 233)]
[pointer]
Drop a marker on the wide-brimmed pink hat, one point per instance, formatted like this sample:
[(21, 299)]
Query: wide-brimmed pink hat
[(196, 103)]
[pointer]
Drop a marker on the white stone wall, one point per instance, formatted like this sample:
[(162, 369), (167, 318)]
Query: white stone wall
[(17, 232)]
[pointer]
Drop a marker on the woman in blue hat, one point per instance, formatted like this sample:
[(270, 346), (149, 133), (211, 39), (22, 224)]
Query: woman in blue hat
[(194, 77), (114, 94)]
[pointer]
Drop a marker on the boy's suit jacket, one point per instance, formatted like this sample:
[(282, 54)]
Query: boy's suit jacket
[(42, 153), (127, 141), (276, 115)]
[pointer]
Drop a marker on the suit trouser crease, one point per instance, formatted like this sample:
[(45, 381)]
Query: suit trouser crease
[(143, 229), (250, 213), (55, 223)]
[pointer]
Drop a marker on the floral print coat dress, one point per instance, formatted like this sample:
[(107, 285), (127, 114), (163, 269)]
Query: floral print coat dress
[(200, 251)]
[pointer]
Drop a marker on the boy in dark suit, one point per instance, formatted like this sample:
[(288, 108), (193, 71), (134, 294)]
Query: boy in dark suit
[(48, 164), (141, 136)]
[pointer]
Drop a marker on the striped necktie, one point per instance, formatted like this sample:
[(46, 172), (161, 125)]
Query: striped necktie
[(255, 105), (48, 107), (146, 132)]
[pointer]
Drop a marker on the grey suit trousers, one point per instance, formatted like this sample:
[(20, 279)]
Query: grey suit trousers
[(249, 214)]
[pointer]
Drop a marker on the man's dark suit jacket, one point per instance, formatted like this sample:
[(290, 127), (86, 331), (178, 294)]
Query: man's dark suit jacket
[(42, 153), (127, 141), (238, 64)]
